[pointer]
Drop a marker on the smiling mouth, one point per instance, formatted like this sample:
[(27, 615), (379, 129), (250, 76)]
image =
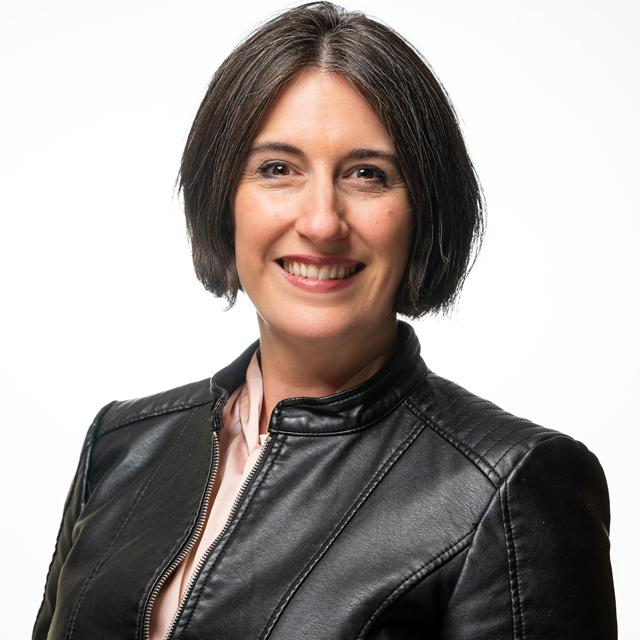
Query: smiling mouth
[(319, 271)]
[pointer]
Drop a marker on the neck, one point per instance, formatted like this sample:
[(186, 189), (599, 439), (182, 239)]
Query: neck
[(294, 367)]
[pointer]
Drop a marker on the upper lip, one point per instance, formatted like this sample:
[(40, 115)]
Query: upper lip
[(320, 261)]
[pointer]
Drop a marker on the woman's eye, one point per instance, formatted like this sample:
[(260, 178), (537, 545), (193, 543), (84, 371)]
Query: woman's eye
[(273, 169), (372, 174)]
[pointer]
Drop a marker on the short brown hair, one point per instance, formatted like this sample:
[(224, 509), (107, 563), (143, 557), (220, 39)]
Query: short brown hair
[(445, 194)]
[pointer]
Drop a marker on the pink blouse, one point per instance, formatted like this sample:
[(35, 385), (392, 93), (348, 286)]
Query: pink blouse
[(240, 445)]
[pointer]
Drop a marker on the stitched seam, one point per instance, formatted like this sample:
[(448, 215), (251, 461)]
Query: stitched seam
[(459, 446), (102, 559), (479, 521), (458, 442), (517, 609), (173, 552), (464, 394), (416, 576), (162, 568), (377, 478), (550, 434), (67, 504), (488, 407), (343, 431), (512, 559), (475, 400), (526, 425), (291, 402), (360, 427), (505, 512), (459, 410), (457, 400), (220, 547), (86, 487), (95, 436), (350, 395), (500, 425), (467, 451), (494, 411), (153, 414), (85, 470)]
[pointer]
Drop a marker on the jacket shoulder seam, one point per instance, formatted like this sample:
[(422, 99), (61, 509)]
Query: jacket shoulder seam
[(490, 466), (460, 446), (137, 417)]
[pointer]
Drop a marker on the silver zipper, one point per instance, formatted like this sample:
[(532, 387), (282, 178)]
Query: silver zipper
[(197, 532)]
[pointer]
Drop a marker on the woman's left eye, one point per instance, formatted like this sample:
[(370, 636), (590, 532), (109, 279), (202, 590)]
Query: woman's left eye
[(371, 174)]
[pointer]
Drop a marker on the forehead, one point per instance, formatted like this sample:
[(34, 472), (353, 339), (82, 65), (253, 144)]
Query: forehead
[(323, 107)]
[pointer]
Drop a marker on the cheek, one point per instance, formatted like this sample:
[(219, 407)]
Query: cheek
[(258, 220), (243, 237), (392, 236), (248, 221), (242, 212)]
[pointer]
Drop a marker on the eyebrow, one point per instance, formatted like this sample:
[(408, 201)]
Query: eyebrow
[(358, 153)]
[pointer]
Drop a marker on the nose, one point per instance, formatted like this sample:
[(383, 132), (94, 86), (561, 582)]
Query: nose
[(321, 215)]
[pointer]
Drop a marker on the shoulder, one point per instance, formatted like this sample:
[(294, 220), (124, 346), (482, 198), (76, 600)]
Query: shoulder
[(121, 413), (492, 439)]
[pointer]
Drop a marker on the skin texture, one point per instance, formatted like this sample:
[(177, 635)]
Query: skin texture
[(321, 203)]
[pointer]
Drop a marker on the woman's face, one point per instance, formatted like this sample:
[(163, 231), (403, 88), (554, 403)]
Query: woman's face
[(322, 214)]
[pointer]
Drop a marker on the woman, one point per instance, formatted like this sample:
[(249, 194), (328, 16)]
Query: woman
[(327, 484)]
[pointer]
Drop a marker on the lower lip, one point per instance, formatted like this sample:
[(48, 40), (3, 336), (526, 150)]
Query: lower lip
[(318, 286)]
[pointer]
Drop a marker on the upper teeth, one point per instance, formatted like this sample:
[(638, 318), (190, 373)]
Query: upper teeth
[(318, 272)]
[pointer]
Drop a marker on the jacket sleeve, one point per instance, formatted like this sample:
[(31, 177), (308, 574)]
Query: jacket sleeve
[(73, 506), (538, 567)]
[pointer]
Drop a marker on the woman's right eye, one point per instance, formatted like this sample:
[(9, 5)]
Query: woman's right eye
[(273, 169)]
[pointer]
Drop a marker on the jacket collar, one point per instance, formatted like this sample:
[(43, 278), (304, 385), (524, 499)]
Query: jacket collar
[(341, 412)]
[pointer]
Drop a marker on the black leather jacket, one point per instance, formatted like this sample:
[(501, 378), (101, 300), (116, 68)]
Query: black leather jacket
[(404, 508)]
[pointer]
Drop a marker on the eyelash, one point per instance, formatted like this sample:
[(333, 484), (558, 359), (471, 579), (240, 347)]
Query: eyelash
[(381, 178)]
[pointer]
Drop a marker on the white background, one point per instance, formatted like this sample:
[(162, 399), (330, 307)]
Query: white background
[(100, 301)]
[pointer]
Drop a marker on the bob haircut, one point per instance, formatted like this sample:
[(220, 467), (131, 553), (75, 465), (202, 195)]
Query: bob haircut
[(446, 198)]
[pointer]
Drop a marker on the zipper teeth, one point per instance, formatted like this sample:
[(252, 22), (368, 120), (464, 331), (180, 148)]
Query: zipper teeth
[(207, 553), (194, 538)]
